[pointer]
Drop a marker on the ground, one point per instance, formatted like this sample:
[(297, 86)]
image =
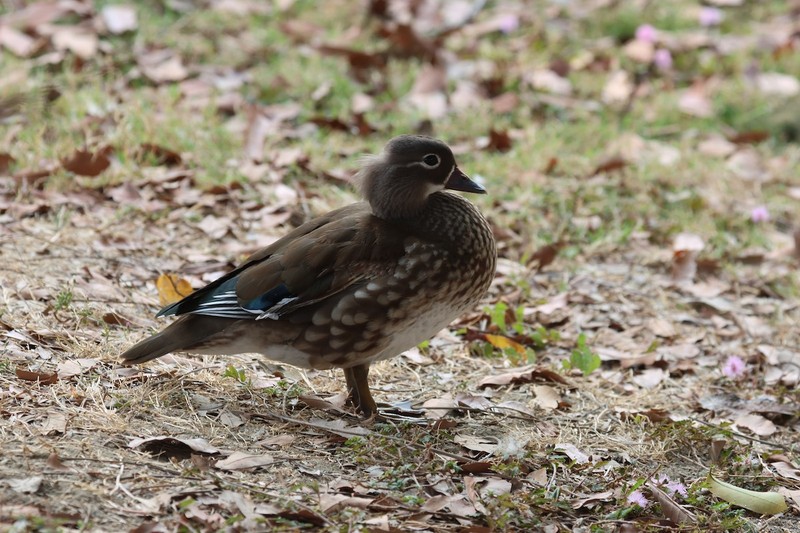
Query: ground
[(633, 366)]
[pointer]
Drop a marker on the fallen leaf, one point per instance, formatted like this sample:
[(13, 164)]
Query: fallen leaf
[(748, 165), (763, 427), (437, 408), (590, 501), (18, 43), (501, 342), (618, 88), (157, 155), (172, 288), (549, 81), (695, 101), (162, 66), (243, 461), (572, 451), (119, 18), (86, 163), (40, 377), (54, 463), (178, 448), (477, 444), (499, 141), (115, 319), (522, 376), (786, 470), (613, 164), (546, 397), (329, 503), (675, 512), (80, 41), (685, 249), (758, 502), (650, 377), (54, 423), (28, 485), (777, 84), (74, 367)]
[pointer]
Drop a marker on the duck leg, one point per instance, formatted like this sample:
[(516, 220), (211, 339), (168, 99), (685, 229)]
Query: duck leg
[(358, 390)]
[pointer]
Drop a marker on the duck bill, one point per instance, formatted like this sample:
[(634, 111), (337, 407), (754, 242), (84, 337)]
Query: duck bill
[(458, 181)]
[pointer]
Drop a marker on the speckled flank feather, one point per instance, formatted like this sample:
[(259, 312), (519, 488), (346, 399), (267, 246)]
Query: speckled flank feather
[(356, 285)]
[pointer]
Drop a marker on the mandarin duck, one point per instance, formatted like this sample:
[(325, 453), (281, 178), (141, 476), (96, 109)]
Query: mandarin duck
[(360, 284)]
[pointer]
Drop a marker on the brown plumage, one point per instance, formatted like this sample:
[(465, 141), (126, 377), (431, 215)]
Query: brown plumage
[(356, 285)]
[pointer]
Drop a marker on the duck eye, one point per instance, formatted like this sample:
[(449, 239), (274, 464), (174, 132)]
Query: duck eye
[(431, 161)]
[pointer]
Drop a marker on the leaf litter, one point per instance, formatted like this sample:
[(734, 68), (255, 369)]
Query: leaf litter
[(492, 442)]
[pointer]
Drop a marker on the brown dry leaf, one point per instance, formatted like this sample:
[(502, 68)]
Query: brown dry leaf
[(610, 165), (763, 427), (640, 51), (54, 463), (546, 254), (113, 318), (18, 43), (499, 141), (278, 440), (437, 408), (650, 378), (54, 423), (505, 103), (329, 503), (786, 470), (661, 327), (215, 227), (590, 501), (521, 376), (777, 84), (157, 155), (501, 342), (477, 444), (546, 397), (685, 249), (473, 401), (179, 448), (511, 405), (334, 403), (259, 127), (6, 159), (119, 18), (28, 485), (80, 41), (172, 288), (748, 165), (675, 512), (749, 137), (40, 377), (618, 88), (339, 427), (86, 163), (572, 451), (243, 461), (696, 102), (36, 14), (431, 79), (74, 367), (162, 66), (716, 146), (793, 496), (549, 81)]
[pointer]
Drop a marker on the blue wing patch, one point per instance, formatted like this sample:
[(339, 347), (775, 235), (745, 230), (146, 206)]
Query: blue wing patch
[(222, 301)]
